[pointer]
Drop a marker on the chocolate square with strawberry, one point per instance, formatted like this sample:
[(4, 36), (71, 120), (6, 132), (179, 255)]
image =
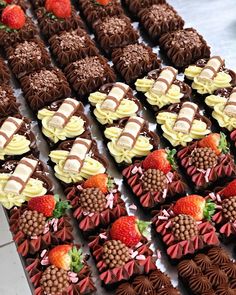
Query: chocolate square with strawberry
[(155, 180), (208, 160), (96, 203), (185, 226)]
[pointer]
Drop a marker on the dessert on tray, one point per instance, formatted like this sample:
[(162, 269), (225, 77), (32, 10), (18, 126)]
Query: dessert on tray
[(155, 180), (8, 104), (208, 161), (4, 72), (22, 180), (210, 74), (96, 202), (63, 119), (114, 101), (184, 47), (134, 61), (161, 88), (184, 226), (181, 123), (130, 139)]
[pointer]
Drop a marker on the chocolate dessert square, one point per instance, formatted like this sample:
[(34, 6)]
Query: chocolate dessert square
[(218, 165), (211, 272), (134, 61), (130, 139), (8, 104), (152, 184), (112, 102), (88, 74), (114, 31), (44, 86), (95, 207), (184, 47), (63, 119), (27, 57), (162, 88), (70, 46), (4, 72), (159, 19), (135, 6)]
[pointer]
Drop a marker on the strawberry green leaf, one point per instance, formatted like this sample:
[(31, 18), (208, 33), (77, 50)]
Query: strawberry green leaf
[(110, 184), (3, 3), (60, 208), (142, 226), (223, 144), (171, 157), (209, 209), (76, 259)]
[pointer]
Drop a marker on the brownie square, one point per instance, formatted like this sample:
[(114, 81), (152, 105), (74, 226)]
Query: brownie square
[(27, 56), (70, 46), (44, 86), (184, 47), (134, 61), (159, 19), (4, 72), (88, 74), (135, 6), (8, 104), (115, 31)]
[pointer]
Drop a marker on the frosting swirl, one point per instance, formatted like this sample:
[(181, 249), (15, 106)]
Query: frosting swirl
[(202, 261), (142, 285), (216, 276), (199, 284), (19, 145), (218, 255), (125, 289), (188, 268)]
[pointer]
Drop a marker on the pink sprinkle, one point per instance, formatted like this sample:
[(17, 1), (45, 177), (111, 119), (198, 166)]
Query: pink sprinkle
[(91, 214), (103, 236), (34, 238), (55, 224), (165, 213), (212, 196), (138, 245), (198, 222), (170, 176), (140, 257), (163, 217), (133, 207), (168, 224), (218, 207), (164, 193), (79, 187), (43, 253), (110, 201), (207, 174), (158, 254), (45, 261), (137, 169), (134, 254), (85, 213), (74, 280), (218, 197), (72, 274)]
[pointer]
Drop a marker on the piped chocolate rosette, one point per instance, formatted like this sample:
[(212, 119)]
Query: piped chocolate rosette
[(225, 215), (185, 227), (16, 138), (161, 88), (209, 273), (76, 160), (208, 160), (209, 75), (182, 123), (130, 139), (96, 202), (60, 270), (114, 101), (63, 119), (41, 223), (23, 180), (223, 103), (155, 180)]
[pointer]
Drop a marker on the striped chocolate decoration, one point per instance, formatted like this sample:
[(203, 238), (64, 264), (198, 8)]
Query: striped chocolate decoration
[(230, 107), (164, 81), (9, 127), (211, 69), (185, 117)]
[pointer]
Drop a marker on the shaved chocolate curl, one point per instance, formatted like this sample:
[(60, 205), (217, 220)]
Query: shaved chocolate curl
[(185, 118)]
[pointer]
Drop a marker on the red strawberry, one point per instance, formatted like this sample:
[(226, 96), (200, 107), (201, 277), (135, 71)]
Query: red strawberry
[(217, 142), (128, 229), (195, 206), (160, 159), (13, 17), (101, 181), (103, 2), (229, 190), (49, 205), (66, 257), (60, 8)]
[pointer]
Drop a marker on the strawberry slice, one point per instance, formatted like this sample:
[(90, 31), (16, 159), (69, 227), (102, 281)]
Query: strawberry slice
[(103, 2), (59, 8), (229, 190), (217, 142), (13, 17)]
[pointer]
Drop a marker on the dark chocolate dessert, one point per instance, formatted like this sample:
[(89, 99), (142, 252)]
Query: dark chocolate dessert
[(136, 6), (4, 72), (8, 104)]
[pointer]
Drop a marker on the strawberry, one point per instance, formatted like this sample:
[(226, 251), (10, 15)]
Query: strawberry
[(229, 190), (13, 17), (66, 257), (49, 205), (128, 229), (103, 2), (217, 142), (195, 206), (101, 181), (59, 8), (160, 159)]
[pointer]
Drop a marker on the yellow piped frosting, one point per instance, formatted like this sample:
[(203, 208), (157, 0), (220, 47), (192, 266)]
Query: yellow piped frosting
[(141, 148), (221, 80), (19, 145), (127, 108), (167, 121), (90, 167), (73, 128), (33, 188)]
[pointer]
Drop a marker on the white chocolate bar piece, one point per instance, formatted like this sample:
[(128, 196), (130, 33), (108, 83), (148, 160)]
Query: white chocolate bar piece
[(115, 96), (130, 133), (211, 69), (76, 157), (18, 180), (164, 81), (64, 113), (185, 117), (10, 126), (230, 107)]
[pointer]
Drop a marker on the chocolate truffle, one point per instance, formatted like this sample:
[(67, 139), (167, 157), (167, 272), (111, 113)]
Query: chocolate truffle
[(184, 47), (4, 72), (8, 104), (134, 61), (44, 86), (135, 6)]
